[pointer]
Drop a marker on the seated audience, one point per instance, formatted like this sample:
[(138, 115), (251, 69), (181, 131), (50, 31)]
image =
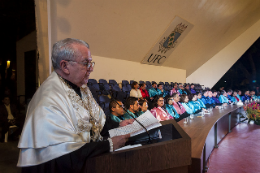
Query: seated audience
[(144, 92), (194, 103), (229, 94), (192, 90), (235, 99), (153, 91), (187, 89), (223, 97), (9, 117), (181, 90), (135, 92), (132, 106), (246, 96), (159, 110), (116, 109), (175, 89), (169, 107), (215, 97), (184, 100), (239, 94), (143, 107), (253, 96), (161, 91), (179, 109), (208, 100), (199, 96)]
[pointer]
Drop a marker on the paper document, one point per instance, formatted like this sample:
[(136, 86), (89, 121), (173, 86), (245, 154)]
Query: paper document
[(148, 121), (129, 147)]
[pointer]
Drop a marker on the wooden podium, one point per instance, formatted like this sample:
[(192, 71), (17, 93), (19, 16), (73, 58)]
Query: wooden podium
[(171, 155)]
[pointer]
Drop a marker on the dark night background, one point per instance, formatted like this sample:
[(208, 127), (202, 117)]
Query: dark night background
[(245, 73)]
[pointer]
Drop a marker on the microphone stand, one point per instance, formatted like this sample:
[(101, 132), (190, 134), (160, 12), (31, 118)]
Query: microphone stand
[(149, 141)]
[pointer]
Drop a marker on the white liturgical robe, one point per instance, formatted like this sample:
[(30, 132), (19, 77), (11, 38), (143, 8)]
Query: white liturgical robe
[(58, 122)]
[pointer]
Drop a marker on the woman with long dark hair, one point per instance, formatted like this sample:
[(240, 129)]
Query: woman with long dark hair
[(159, 110)]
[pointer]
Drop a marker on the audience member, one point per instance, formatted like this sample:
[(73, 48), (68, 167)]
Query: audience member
[(170, 109), (192, 90), (239, 93), (179, 109), (223, 97), (116, 109), (159, 110), (135, 92), (253, 96), (246, 96), (144, 92), (235, 99), (181, 90), (161, 91), (175, 89), (215, 97), (184, 100), (201, 104), (187, 89), (229, 94), (132, 106), (143, 107), (153, 91)]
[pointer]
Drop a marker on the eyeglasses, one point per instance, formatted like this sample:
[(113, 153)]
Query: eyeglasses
[(170, 99), (160, 100), (87, 64)]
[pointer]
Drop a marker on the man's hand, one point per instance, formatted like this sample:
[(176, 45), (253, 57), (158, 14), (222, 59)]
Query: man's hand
[(126, 122), (119, 141)]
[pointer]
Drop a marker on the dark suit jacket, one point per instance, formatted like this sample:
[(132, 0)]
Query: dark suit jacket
[(4, 113)]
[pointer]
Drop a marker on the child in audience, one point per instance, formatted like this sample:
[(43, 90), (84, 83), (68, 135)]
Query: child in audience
[(159, 110)]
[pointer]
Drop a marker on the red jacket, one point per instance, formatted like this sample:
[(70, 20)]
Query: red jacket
[(144, 93)]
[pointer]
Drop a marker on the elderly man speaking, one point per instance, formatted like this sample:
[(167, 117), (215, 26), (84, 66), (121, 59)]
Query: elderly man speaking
[(64, 125)]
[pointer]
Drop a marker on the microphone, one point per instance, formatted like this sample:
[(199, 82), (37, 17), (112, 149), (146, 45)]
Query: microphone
[(149, 141)]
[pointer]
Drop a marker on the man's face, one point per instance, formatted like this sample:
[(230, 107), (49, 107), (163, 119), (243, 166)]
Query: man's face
[(234, 94), (247, 93), (160, 87), (78, 71), (214, 94), (239, 93), (206, 94), (118, 110), (6, 101), (154, 85), (181, 87), (210, 94), (135, 107), (192, 86), (252, 93), (177, 98)]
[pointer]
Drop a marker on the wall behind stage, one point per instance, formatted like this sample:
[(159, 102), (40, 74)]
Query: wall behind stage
[(211, 71), (109, 68)]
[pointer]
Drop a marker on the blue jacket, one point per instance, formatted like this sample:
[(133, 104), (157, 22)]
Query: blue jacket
[(153, 92), (115, 118), (196, 105), (223, 99), (245, 97), (201, 104), (182, 92), (126, 116), (229, 97), (171, 110), (234, 100), (189, 108)]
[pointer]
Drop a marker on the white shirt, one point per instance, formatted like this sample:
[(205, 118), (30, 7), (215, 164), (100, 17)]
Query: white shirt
[(136, 94), (10, 116)]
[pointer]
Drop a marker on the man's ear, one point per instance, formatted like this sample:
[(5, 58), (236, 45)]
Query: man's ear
[(64, 67)]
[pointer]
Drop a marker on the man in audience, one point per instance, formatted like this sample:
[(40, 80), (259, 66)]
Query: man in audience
[(161, 91), (178, 107), (239, 94), (246, 96), (132, 106), (199, 96), (253, 96), (175, 89), (116, 109), (235, 99), (229, 94), (223, 98), (215, 97), (153, 91), (192, 90), (8, 117), (181, 90), (187, 89), (144, 92)]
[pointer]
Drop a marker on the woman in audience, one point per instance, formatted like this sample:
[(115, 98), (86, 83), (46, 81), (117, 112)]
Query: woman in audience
[(159, 110), (170, 109), (143, 107), (144, 92), (153, 91), (181, 89), (135, 92), (185, 103), (175, 89), (180, 110), (239, 94), (201, 104), (235, 99), (223, 97)]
